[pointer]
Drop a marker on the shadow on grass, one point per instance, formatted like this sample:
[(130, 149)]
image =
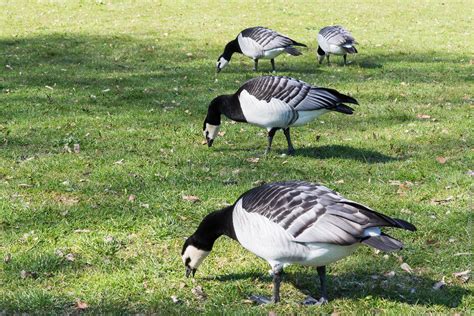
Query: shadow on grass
[(409, 289), (321, 152), (344, 152)]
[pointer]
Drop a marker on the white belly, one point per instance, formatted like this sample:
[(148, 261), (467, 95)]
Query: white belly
[(272, 53), (271, 242), (275, 113), (307, 116), (321, 254), (337, 50)]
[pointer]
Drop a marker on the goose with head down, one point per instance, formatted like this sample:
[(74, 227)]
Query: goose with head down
[(258, 43), (335, 40), (293, 222), (274, 103)]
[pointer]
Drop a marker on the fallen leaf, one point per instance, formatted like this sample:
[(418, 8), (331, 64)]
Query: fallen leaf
[(204, 142), (339, 181), (442, 201), (191, 198), (423, 116), (441, 160), (182, 285), (131, 197), (7, 258), (145, 205), (221, 134), (119, 162), (439, 284), (463, 276), (272, 313), (405, 267), (81, 305), (199, 293), (253, 160)]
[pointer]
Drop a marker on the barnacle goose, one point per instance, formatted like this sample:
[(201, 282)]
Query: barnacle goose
[(258, 43), (293, 222), (335, 40), (274, 103)]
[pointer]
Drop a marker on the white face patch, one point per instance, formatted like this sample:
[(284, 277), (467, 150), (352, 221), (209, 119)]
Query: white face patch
[(221, 63), (211, 131), (195, 255)]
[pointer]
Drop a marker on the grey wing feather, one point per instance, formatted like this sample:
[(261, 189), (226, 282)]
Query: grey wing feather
[(337, 35), (313, 213), (267, 38), (298, 94)]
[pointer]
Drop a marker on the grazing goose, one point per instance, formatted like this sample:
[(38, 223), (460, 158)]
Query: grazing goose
[(335, 40), (258, 43), (274, 103), (293, 223)]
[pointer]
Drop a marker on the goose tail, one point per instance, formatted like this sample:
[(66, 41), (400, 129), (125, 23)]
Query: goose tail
[(383, 242), (292, 51)]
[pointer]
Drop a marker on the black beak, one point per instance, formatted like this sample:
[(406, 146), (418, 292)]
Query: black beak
[(189, 271), (209, 142), (218, 70)]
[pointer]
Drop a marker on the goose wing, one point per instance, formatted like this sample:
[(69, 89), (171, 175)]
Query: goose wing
[(337, 35), (312, 213), (298, 94), (266, 38)]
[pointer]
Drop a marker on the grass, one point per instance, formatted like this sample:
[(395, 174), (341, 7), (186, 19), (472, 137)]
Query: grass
[(130, 83)]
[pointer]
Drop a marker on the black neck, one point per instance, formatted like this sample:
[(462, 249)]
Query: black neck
[(320, 51), (231, 48), (213, 226), (228, 105)]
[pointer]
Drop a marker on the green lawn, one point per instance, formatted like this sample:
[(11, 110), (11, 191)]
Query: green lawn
[(102, 224)]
